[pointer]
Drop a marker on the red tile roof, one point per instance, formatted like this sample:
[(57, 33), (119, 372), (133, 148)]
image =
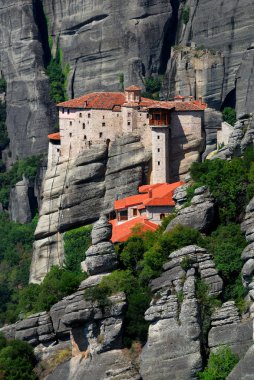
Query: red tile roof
[(121, 232), (133, 88), (54, 136), (114, 100), (96, 100), (159, 190)]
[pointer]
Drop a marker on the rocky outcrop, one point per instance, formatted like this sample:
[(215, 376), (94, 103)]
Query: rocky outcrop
[(76, 192), (200, 214), (229, 330), (223, 29), (101, 256), (174, 344), (212, 124), (244, 370)]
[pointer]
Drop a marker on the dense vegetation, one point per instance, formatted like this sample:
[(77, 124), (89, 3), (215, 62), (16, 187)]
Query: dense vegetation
[(153, 86), (186, 15), (229, 115), (15, 258), (57, 73), (4, 140), (17, 360), (220, 364)]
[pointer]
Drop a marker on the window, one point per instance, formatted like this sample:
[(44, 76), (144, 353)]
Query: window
[(62, 110), (70, 134), (58, 150), (80, 115), (85, 137), (147, 116), (100, 135), (158, 137), (129, 123), (84, 126), (157, 116), (70, 122), (103, 124), (117, 115), (129, 114), (103, 117), (123, 215), (159, 163), (68, 111), (135, 212), (89, 115), (158, 150), (162, 216)]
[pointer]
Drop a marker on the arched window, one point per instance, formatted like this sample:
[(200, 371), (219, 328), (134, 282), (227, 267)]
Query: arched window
[(162, 216)]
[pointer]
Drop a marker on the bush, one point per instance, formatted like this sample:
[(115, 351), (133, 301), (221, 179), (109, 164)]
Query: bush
[(17, 361), (226, 245), (57, 74), (229, 115), (153, 86), (76, 243), (3, 85), (186, 15), (220, 364)]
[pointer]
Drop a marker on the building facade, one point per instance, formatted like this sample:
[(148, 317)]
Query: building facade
[(101, 117)]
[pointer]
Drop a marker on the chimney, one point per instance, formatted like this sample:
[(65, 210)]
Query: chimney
[(150, 193)]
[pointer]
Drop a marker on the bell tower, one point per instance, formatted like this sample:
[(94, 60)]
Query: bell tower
[(159, 121)]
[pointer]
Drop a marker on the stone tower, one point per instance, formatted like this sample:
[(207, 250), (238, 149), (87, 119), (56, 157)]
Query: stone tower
[(159, 123)]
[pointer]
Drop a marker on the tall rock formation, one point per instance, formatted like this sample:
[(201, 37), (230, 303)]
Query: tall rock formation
[(76, 192), (29, 110)]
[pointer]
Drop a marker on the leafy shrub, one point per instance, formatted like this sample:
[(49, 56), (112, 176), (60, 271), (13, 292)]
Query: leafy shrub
[(226, 245), (220, 364), (76, 243), (57, 284), (186, 15), (229, 115), (133, 252), (3, 85), (153, 86), (17, 361), (186, 263), (57, 74)]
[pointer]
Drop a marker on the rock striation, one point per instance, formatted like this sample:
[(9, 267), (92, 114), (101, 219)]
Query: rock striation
[(229, 330), (101, 256), (174, 344), (76, 192), (200, 214)]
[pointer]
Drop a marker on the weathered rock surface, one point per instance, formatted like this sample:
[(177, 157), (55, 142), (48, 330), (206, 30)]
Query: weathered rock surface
[(19, 205), (36, 329), (173, 344), (216, 28), (212, 123), (77, 192), (111, 365), (100, 43), (244, 370), (29, 110), (228, 330), (200, 214)]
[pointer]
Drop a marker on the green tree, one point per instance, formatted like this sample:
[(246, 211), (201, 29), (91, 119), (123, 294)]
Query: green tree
[(76, 243), (229, 115)]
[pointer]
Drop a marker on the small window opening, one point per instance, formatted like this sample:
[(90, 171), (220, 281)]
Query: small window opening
[(103, 117), (85, 137), (103, 124), (129, 123), (68, 111), (129, 114), (89, 115), (70, 134), (162, 216), (70, 122), (80, 115), (159, 150), (135, 212), (159, 163), (84, 126), (100, 135), (158, 137), (62, 110)]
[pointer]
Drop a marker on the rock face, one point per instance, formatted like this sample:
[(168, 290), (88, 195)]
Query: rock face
[(19, 205), (173, 344), (200, 214), (244, 370), (29, 110), (100, 43), (228, 330), (101, 256), (217, 29), (212, 123), (77, 192)]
